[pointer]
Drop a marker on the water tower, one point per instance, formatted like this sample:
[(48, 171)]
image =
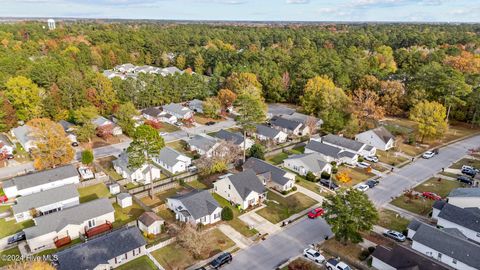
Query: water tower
[(51, 24)]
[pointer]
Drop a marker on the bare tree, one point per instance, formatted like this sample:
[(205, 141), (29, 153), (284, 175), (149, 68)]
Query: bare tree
[(311, 123), (190, 238)]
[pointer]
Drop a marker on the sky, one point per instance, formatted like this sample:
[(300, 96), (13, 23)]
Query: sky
[(251, 10)]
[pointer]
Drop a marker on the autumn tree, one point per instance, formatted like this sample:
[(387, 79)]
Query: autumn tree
[(384, 60), (226, 97), (239, 82), (392, 97), (52, 147), (465, 62), (181, 61), (366, 106), (225, 153), (343, 176), (25, 97), (31, 265), (101, 94), (8, 117), (431, 119), (125, 115), (192, 239), (199, 64), (211, 107)]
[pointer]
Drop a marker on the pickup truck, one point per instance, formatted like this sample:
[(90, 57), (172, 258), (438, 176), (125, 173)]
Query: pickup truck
[(336, 264)]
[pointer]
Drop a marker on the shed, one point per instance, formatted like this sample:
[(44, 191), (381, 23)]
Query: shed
[(114, 188), (150, 223), (124, 200)]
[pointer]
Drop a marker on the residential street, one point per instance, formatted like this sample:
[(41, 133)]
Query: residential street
[(7, 172), (418, 171), (281, 246)]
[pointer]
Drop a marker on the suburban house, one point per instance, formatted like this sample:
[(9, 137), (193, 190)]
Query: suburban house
[(349, 145), (303, 118), (448, 246), (331, 153), (104, 252), (61, 227), (197, 206), (172, 160), (266, 133), (147, 69), (45, 202), (144, 174), (39, 181), (379, 137), (152, 114), (304, 163), (464, 197), (466, 220), (150, 223), (203, 144), (24, 137), (168, 118), (244, 189), (271, 175), (235, 138), (179, 111), (196, 105), (290, 127), (5, 148), (101, 121), (67, 126), (124, 68), (400, 257)]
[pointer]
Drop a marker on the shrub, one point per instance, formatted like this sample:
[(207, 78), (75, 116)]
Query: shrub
[(364, 255), (284, 192), (87, 157), (411, 139), (361, 159), (227, 213), (310, 177), (371, 249), (334, 170), (294, 188), (325, 175), (151, 236)]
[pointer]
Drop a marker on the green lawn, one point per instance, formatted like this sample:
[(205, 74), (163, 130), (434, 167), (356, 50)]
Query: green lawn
[(126, 215), (466, 161), (390, 158), (236, 223), (166, 127), (296, 150), (277, 159), (280, 208), (312, 186), (357, 175), (391, 220), (197, 184), (107, 167), (4, 208), (180, 146), (8, 252), (166, 214), (161, 197), (142, 263), (2, 192), (93, 192), (11, 227)]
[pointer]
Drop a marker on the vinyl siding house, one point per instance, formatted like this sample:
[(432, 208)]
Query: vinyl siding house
[(39, 181), (203, 144), (196, 105), (152, 114), (24, 137), (349, 145), (271, 176), (150, 223), (101, 121), (464, 197), (168, 118), (197, 206), (466, 220), (68, 223), (234, 137), (104, 252), (45, 202), (290, 127), (329, 153), (266, 133), (379, 137), (178, 111), (140, 175), (304, 163), (244, 189), (172, 161)]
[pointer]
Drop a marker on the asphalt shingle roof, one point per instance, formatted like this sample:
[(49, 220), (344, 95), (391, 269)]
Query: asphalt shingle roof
[(234, 137), (414, 224), (203, 141), (465, 217), (176, 109), (23, 133), (383, 134), (312, 161), (401, 257), (267, 131), (198, 203), (100, 250), (66, 125), (342, 142), (246, 182), (169, 156), (148, 218), (322, 148), (285, 123), (259, 166), (42, 177), (465, 192), (152, 111), (45, 198)]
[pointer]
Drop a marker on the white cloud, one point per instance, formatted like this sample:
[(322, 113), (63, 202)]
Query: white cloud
[(298, 1)]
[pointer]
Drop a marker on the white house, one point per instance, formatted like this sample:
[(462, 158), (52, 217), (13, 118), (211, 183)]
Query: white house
[(101, 121), (197, 206), (349, 145), (379, 137), (24, 136), (266, 133), (330, 153), (401, 257), (466, 220), (288, 126), (304, 163), (143, 174), (172, 160), (105, 252), (124, 200), (39, 181), (152, 114), (124, 68), (150, 223), (5, 149), (244, 189), (234, 137), (69, 223), (168, 118), (203, 144), (271, 176), (464, 197), (45, 202), (178, 111)]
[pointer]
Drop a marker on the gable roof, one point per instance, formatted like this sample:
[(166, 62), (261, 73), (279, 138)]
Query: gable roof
[(43, 177), (148, 218), (23, 133), (245, 182), (152, 111), (313, 161), (342, 142), (101, 121), (66, 125), (383, 134), (169, 156), (414, 225), (323, 148), (198, 203), (44, 198), (267, 131), (74, 215), (101, 249), (203, 141), (465, 217), (122, 162), (439, 204), (259, 166), (226, 135), (302, 118), (465, 192), (285, 123), (402, 257), (176, 108)]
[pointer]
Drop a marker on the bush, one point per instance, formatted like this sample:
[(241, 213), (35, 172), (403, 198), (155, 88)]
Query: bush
[(325, 175), (371, 249), (361, 159), (284, 192), (310, 177), (294, 188), (411, 139), (364, 255), (334, 170), (227, 213), (87, 157), (151, 236)]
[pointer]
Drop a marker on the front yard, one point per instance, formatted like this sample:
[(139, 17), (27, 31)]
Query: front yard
[(202, 119), (168, 128), (391, 220), (357, 175), (142, 263), (390, 157), (5, 258), (280, 208), (466, 161), (93, 192), (236, 223)]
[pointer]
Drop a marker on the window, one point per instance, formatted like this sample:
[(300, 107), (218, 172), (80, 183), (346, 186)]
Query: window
[(91, 223), (228, 186), (454, 261), (429, 253), (439, 256)]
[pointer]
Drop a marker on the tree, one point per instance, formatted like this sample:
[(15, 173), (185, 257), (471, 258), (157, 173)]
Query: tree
[(85, 132), (125, 115), (227, 213), (31, 265), (105, 132), (343, 177), (146, 143), (181, 61), (211, 107), (239, 82), (385, 60), (191, 239), (431, 119), (101, 94), (198, 64), (87, 157), (366, 105), (8, 117), (225, 153), (226, 97), (25, 97), (349, 212), (52, 147), (392, 97), (310, 176), (257, 151), (85, 115)]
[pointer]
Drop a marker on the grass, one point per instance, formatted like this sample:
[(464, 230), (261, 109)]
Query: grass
[(449, 174), (180, 146), (466, 161), (161, 197), (131, 185), (277, 159), (202, 119), (280, 208), (296, 150), (348, 252), (390, 158), (93, 192), (166, 127), (14, 252), (410, 150), (126, 215), (11, 227), (107, 167), (236, 223), (307, 184), (142, 263), (20, 154), (4, 208), (358, 175), (458, 130), (166, 214), (391, 220), (196, 184)]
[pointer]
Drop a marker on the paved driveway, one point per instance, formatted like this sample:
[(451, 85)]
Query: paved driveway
[(281, 246), (259, 223)]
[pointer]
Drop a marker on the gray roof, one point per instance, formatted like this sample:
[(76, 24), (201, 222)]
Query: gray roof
[(235, 137), (45, 198), (383, 134), (414, 224), (439, 204), (285, 123), (276, 174), (42, 177), (169, 156), (203, 141), (123, 195), (101, 249), (74, 215), (23, 134), (122, 162), (402, 257), (465, 192), (465, 217), (312, 161), (451, 245), (324, 149), (198, 203), (347, 154), (152, 111), (246, 182), (267, 131), (170, 71), (176, 108), (343, 142), (148, 218), (302, 118), (66, 125), (100, 121)]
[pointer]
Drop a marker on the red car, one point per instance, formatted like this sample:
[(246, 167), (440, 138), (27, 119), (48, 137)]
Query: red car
[(317, 212), (431, 196)]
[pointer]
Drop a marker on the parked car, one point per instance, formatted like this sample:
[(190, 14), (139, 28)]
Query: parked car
[(363, 187), (465, 179), (469, 172), (431, 196), (334, 264), (16, 238), (10, 156), (363, 165), (428, 154), (221, 260), (178, 124), (398, 236), (313, 255), (163, 133), (470, 168), (329, 184), (210, 123), (317, 212), (373, 159), (372, 183)]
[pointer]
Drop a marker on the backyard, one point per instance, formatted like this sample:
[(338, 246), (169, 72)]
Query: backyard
[(236, 223), (126, 215), (277, 159), (280, 208), (107, 167), (161, 197), (391, 220), (142, 263), (180, 146), (11, 227), (93, 192)]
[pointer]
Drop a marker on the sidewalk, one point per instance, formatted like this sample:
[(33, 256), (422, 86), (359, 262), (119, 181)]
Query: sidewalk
[(240, 240), (262, 225)]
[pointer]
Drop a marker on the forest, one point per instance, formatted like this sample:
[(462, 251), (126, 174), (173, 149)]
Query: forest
[(346, 74)]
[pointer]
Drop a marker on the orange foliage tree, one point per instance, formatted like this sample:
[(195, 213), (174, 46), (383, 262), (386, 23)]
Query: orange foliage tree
[(343, 177)]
